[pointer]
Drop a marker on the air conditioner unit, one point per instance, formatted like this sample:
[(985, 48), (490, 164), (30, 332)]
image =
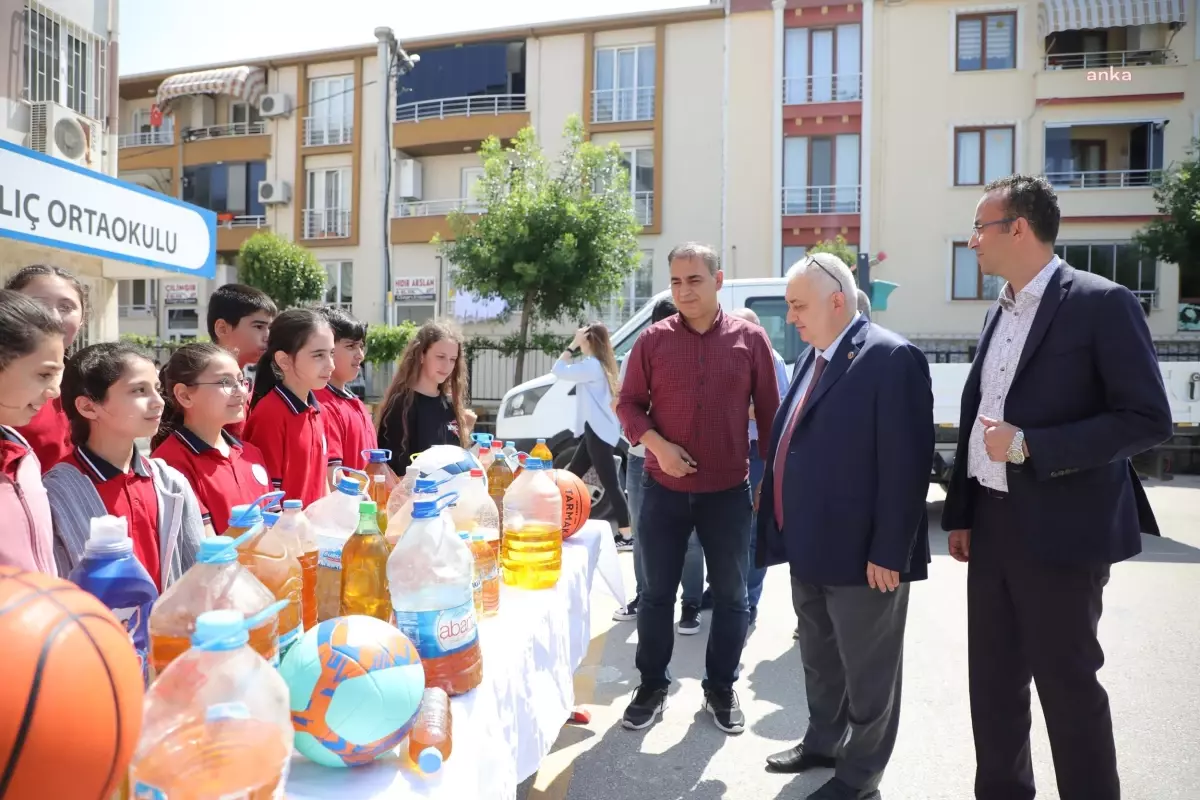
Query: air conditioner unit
[(59, 132), (409, 179), (274, 105), (274, 192)]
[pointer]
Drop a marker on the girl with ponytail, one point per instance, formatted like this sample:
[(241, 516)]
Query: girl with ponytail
[(205, 392)]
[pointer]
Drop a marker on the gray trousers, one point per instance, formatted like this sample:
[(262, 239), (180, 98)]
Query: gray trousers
[(852, 647)]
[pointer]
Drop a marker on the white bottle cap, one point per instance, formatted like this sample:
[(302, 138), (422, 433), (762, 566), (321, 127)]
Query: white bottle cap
[(109, 536)]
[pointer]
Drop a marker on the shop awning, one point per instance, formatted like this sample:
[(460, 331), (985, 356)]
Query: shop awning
[(1073, 15), (239, 83)]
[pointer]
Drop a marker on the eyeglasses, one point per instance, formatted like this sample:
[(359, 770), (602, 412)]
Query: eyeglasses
[(827, 272), (228, 385), (979, 226)]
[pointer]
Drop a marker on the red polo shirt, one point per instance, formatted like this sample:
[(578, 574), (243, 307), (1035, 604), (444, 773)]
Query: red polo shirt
[(49, 434), (349, 429), (291, 435), (130, 495), (220, 482)]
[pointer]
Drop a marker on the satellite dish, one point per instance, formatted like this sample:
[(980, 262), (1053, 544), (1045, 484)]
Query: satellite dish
[(70, 139)]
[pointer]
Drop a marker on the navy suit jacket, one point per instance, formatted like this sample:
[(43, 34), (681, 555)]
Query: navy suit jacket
[(858, 465), (1089, 395)]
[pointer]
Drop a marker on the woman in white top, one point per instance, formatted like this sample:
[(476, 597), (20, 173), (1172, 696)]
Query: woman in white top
[(594, 374)]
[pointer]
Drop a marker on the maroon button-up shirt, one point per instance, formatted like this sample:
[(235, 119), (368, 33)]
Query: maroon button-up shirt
[(695, 390)]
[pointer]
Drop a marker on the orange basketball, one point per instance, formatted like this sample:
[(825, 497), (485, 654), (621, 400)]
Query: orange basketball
[(71, 698), (576, 500)]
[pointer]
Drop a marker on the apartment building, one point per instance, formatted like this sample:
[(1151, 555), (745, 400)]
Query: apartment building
[(763, 126), (59, 203)]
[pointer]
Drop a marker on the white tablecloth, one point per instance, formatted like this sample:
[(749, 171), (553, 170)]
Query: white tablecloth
[(505, 727)]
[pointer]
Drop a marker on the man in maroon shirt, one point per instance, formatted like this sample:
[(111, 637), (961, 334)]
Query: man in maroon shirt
[(686, 395)]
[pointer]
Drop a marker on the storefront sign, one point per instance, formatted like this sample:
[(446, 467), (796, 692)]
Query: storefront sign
[(49, 202), (409, 290), (181, 293)]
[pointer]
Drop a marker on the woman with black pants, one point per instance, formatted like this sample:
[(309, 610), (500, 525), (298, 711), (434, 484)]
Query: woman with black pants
[(594, 374)]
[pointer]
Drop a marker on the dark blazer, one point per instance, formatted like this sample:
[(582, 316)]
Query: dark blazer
[(858, 465), (1089, 395)]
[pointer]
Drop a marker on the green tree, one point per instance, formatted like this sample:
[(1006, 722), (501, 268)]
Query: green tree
[(554, 240), (287, 272), (839, 248), (1175, 238), (386, 343)]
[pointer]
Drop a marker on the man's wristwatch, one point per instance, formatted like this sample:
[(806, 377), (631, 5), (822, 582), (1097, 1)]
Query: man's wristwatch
[(1016, 450)]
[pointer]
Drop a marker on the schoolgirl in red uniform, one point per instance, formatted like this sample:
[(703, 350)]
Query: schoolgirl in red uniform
[(205, 392), (349, 429), (49, 433), (286, 422)]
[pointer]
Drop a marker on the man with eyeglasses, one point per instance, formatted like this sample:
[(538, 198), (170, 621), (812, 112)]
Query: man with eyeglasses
[(843, 504), (1064, 389)]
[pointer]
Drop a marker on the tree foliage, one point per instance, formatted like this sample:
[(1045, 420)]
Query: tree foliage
[(386, 343), (839, 248), (287, 272), (554, 239), (1175, 237)]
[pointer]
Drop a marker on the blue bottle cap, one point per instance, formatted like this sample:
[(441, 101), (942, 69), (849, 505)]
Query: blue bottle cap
[(246, 516), (217, 550), (425, 485), (290, 504), (378, 456), (510, 444), (541, 441), (270, 518), (349, 486), (430, 760), (224, 629)]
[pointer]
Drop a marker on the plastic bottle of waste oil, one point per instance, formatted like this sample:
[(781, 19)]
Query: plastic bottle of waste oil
[(294, 525), (531, 554), (273, 559), (431, 739), (334, 518), (364, 568)]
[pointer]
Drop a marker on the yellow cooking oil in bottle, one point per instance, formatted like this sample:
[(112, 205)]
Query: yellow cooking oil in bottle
[(531, 552), (364, 568)]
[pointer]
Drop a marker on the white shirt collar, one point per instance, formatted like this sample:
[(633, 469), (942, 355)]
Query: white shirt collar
[(828, 352)]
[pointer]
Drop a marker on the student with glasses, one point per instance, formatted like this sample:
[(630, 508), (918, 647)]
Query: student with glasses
[(205, 393)]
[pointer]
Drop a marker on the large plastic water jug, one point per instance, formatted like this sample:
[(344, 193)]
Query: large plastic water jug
[(218, 721), (334, 518), (430, 575), (531, 553), (274, 559)]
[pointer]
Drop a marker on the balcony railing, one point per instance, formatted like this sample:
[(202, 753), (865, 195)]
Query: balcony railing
[(321, 131), (326, 223), (483, 105), (643, 207), (822, 200), (1105, 179), (623, 105), (437, 208), (822, 88), (146, 139), (1114, 58), (243, 221), (231, 129)]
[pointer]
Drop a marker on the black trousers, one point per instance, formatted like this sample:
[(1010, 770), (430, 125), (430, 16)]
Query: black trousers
[(1028, 619), (594, 452)]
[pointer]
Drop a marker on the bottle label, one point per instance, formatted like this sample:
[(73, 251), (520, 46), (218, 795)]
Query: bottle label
[(288, 639), (440, 633), (477, 579), (144, 791), (219, 712), (137, 622), (490, 572), (330, 558)]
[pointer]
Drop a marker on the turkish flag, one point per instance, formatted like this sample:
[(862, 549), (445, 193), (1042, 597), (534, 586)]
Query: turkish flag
[(155, 116)]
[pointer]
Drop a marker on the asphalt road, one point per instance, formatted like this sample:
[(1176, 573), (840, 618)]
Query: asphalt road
[(1150, 633)]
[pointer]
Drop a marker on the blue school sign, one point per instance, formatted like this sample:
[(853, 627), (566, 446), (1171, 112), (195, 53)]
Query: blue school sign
[(50, 202)]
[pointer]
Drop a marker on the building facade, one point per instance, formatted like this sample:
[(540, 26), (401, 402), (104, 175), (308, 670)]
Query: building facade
[(762, 126)]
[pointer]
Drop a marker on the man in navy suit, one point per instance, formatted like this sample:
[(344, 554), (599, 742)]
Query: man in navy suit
[(1064, 389), (843, 503)]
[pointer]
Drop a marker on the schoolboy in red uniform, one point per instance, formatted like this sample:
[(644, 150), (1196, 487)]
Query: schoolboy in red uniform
[(349, 429), (239, 319)]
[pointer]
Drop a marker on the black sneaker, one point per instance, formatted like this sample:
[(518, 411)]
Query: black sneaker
[(622, 542), (689, 621), (627, 612), (725, 709), (647, 705), (706, 600)]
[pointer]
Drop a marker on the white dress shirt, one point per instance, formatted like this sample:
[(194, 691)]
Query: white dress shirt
[(999, 365), (826, 354)]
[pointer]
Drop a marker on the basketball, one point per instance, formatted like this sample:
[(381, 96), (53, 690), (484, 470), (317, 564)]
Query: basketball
[(71, 699), (576, 500)]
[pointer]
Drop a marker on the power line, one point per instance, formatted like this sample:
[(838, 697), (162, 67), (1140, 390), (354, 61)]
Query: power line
[(310, 103)]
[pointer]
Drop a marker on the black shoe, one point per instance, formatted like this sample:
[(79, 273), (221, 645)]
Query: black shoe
[(725, 709), (689, 621), (837, 789), (706, 601), (796, 760), (627, 612), (646, 706)]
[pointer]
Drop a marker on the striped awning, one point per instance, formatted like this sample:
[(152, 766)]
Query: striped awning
[(240, 83), (1074, 15)]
